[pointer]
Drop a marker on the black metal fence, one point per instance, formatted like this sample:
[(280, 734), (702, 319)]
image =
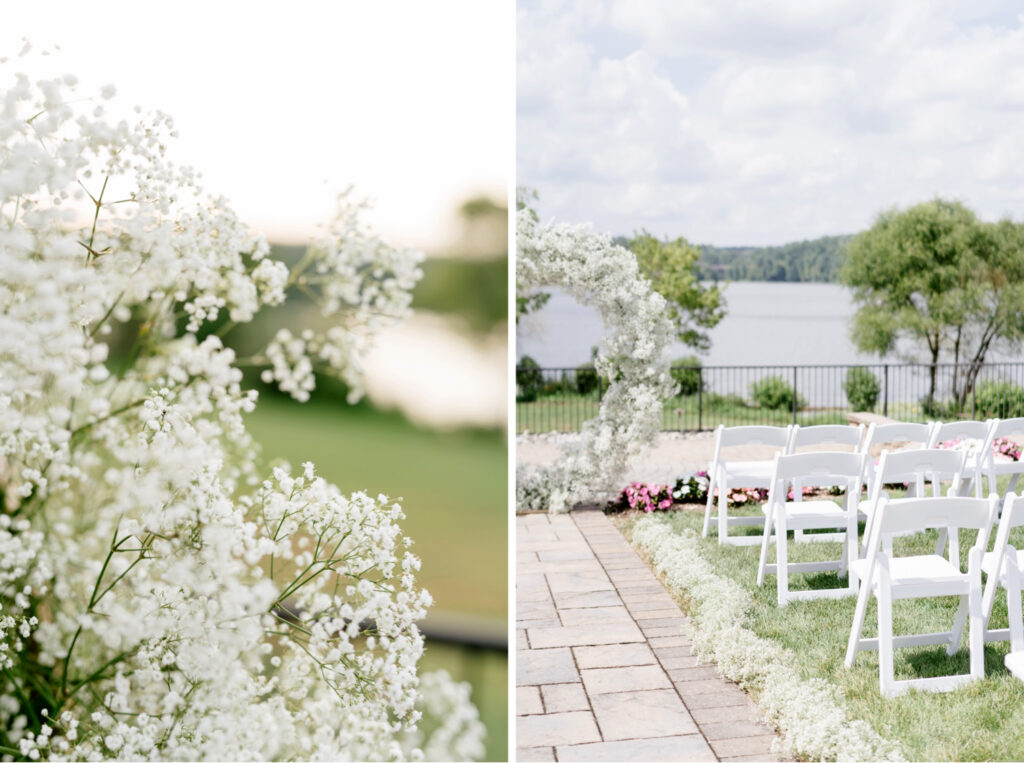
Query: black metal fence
[(561, 399)]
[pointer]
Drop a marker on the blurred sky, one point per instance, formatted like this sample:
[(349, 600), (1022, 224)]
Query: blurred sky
[(738, 122), (282, 105)]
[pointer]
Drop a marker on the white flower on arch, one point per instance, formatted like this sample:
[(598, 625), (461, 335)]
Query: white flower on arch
[(633, 355)]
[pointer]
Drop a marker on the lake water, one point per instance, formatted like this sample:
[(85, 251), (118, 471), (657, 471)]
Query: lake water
[(766, 323)]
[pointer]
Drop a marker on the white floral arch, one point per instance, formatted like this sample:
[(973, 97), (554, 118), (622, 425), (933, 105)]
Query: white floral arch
[(595, 271)]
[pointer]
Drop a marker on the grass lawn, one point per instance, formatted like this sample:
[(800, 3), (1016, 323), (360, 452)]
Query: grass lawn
[(982, 721), (454, 494), (566, 412)]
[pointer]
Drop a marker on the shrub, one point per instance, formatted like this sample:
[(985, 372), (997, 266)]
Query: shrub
[(998, 399), (776, 393), (529, 380), (938, 409), (861, 388), (586, 379), (686, 373)]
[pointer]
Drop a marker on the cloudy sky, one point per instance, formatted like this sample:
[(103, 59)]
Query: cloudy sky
[(764, 121), (282, 106)]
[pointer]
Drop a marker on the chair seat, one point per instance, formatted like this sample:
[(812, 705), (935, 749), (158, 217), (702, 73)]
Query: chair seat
[(807, 509), (988, 563), (1015, 664), (930, 569), (738, 471)]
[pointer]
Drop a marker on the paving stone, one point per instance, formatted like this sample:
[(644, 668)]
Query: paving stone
[(673, 664), (595, 615), (762, 757), (528, 700), (641, 714), (647, 603), (643, 616), (535, 753), (759, 745), (539, 666), (587, 566), (533, 610), (733, 730), (571, 600), (540, 622), (709, 686), (563, 698), (581, 551), (632, 678), (584, 635), (675, 621), (659, 632), (535, 519), (578, 582), (531, 582), (744, 712), (667, 652), (622, 562), (521, 641), (713, 700), (613, 655), (556, 729), (664, 641), (703, 673), (688, 747), (642, 588), (532, 594)]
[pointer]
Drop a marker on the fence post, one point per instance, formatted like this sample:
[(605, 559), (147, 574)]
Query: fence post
[(599, 385), (700, 398), (885, 393), (794, 394)]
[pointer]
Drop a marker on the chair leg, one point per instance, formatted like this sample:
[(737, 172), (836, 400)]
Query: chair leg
[(956, 635), (723, 512), (858, 622), (1013, 610), (781, 563), (765, 540), (977, 635), (708, 505), (886, 670)]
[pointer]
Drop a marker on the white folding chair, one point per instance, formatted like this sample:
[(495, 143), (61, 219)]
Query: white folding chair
[(894, 437), (1003, 428), (840, 437), (1004, 566), (724, 474), (889, 577), (821, 468), (975, 434), (916, 468)]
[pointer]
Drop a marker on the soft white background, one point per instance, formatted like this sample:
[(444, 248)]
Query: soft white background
[(282, 105)]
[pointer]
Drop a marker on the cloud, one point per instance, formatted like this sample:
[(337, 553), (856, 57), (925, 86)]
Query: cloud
[(761, 122)]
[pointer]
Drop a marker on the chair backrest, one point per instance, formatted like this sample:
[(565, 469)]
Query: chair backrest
[(900, 432), (917, 467), (821, 468), (1005, 427), (826, 434), (944, 431), (959, 512), (726, 437), (1013, 516)]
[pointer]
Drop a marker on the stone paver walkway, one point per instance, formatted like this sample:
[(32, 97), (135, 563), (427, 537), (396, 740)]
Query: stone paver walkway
[(604, 668)]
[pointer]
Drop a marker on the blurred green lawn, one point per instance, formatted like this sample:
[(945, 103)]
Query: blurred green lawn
[(453, 487)]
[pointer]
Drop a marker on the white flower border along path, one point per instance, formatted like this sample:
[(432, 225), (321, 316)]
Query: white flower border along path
[(595, 271), (808, 713)]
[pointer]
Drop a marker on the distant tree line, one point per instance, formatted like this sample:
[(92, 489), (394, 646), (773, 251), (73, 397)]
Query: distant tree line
[(816, 260)]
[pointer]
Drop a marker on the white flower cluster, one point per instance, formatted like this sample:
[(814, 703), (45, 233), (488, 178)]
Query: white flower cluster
[(808, 712), (595, 271), (157, 599), (363, 283)]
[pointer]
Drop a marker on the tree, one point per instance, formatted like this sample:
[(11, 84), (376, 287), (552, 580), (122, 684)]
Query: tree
[(935, 274), (671, 267)]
